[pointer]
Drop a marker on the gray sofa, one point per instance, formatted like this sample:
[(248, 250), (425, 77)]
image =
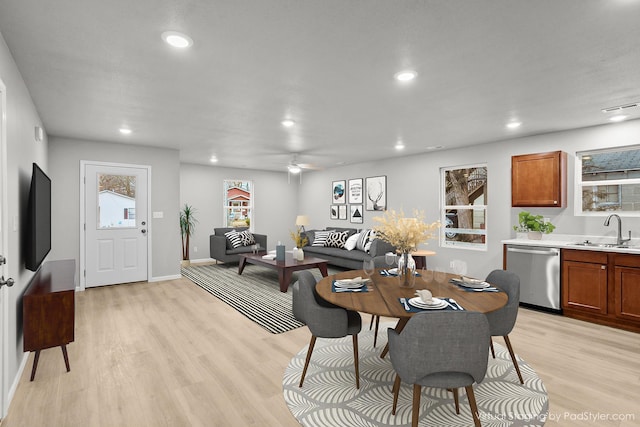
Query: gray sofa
[(221, 249), (341, 257)]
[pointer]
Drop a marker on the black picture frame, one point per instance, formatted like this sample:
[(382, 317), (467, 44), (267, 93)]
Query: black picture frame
[(356, 214), (375, 191), (333, 212), (339, 192), (342, 212), (355, 191)]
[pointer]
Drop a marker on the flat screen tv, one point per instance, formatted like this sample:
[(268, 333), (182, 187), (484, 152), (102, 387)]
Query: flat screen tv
[(38, 241)]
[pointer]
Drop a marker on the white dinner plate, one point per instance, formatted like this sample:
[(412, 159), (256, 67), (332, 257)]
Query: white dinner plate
[(436, 303), (476, 284)]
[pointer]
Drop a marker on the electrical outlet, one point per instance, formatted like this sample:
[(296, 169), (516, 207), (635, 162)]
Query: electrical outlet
[(451, 264), (546, 219), (195, 249)]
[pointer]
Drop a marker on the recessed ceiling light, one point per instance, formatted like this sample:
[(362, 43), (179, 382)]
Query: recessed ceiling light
[(177, 39), (399, 145), (288, 123), (617, 118), (213, 159), (125, 131), (405, 76), (514, 124)]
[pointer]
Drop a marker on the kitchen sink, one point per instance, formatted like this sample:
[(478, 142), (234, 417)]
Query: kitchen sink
[(604, 245)]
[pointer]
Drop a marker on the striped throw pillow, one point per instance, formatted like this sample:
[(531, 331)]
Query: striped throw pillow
[(234, 237), (365, 239), (320, 238)]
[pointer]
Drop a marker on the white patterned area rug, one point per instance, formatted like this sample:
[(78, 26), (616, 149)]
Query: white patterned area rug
[(329, 396)]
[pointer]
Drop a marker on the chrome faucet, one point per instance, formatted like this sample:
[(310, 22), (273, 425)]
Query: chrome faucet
[(620, 241)]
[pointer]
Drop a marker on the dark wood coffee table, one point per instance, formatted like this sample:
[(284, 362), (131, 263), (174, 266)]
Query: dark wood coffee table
[(285, 268)]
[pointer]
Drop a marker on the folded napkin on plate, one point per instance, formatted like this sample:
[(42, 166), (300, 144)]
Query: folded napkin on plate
[(412, 309), (348, 282), (471, 280), (350, 285), (425, 295)]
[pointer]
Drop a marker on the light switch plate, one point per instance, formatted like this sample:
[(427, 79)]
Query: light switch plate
[(158, 214)]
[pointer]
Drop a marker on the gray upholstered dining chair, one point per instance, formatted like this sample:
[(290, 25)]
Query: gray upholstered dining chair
[(502, 321), (447, 349), (323, 319)]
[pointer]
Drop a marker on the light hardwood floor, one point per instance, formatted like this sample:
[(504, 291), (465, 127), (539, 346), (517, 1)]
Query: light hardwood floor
[(170, 354)]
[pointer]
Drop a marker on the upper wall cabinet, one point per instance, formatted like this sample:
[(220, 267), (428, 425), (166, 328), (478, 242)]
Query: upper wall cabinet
[(539, 180)]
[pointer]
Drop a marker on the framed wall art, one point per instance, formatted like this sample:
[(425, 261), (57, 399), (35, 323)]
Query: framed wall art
[(342, 212), (355, 214), (376, 193), (338, 192), (355, 190), (334, 212)]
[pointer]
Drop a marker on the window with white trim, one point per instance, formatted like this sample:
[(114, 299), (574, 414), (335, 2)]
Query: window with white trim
[(608, 181), (464, 207), (238, 203)]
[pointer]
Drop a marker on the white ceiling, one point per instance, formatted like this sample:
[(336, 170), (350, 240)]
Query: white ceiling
[(93, 66)]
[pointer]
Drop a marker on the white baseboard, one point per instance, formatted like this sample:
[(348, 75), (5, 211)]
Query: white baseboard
[(162, 278), (16, 381), (195, 261)]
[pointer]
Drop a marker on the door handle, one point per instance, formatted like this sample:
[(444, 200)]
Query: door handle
[(9, 282), (143, 231)]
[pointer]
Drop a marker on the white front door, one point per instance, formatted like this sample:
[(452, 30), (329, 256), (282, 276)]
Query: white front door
[(4, 224), (116, 223)]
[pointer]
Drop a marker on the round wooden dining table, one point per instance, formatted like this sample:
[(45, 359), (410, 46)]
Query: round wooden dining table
[(383, 296)]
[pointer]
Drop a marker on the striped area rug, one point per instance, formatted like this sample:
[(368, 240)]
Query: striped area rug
[(255, 293)]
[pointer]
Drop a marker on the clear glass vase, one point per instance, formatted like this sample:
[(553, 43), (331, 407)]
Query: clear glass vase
[(406, 270)]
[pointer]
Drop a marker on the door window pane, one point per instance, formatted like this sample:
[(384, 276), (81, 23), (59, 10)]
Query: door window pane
[(116, 201)]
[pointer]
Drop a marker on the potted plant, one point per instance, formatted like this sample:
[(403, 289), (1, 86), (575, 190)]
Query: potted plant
[(533, 225), (187, 226)]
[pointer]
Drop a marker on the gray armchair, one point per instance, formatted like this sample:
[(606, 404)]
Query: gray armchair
[(324, 319), (447, 349), (502, 321), (221, 250)]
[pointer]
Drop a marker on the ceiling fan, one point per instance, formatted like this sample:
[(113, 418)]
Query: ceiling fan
[(295, 168)]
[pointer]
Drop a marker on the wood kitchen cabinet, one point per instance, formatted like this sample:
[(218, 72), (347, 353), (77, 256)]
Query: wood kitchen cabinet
[(627, 287), (602, 287), (539, 180), (584, 281)]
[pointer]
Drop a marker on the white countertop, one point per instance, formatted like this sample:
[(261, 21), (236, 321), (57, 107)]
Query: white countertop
[(569, 241)]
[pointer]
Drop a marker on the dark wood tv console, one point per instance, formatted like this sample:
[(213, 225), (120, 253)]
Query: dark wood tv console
[(48, 308)]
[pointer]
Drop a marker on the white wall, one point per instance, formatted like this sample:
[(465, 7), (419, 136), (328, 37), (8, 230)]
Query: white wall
[(275, 202), (64, 164), (22, 151), (414, 182)]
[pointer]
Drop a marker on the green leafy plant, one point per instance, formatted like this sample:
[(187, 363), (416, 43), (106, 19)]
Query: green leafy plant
[(529, 222), (187, 226)]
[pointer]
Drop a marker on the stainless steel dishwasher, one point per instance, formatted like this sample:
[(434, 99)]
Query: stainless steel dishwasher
[(539, 271)]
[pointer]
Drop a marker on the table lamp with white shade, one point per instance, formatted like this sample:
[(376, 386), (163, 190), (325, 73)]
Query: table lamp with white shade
[(301, 221)]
